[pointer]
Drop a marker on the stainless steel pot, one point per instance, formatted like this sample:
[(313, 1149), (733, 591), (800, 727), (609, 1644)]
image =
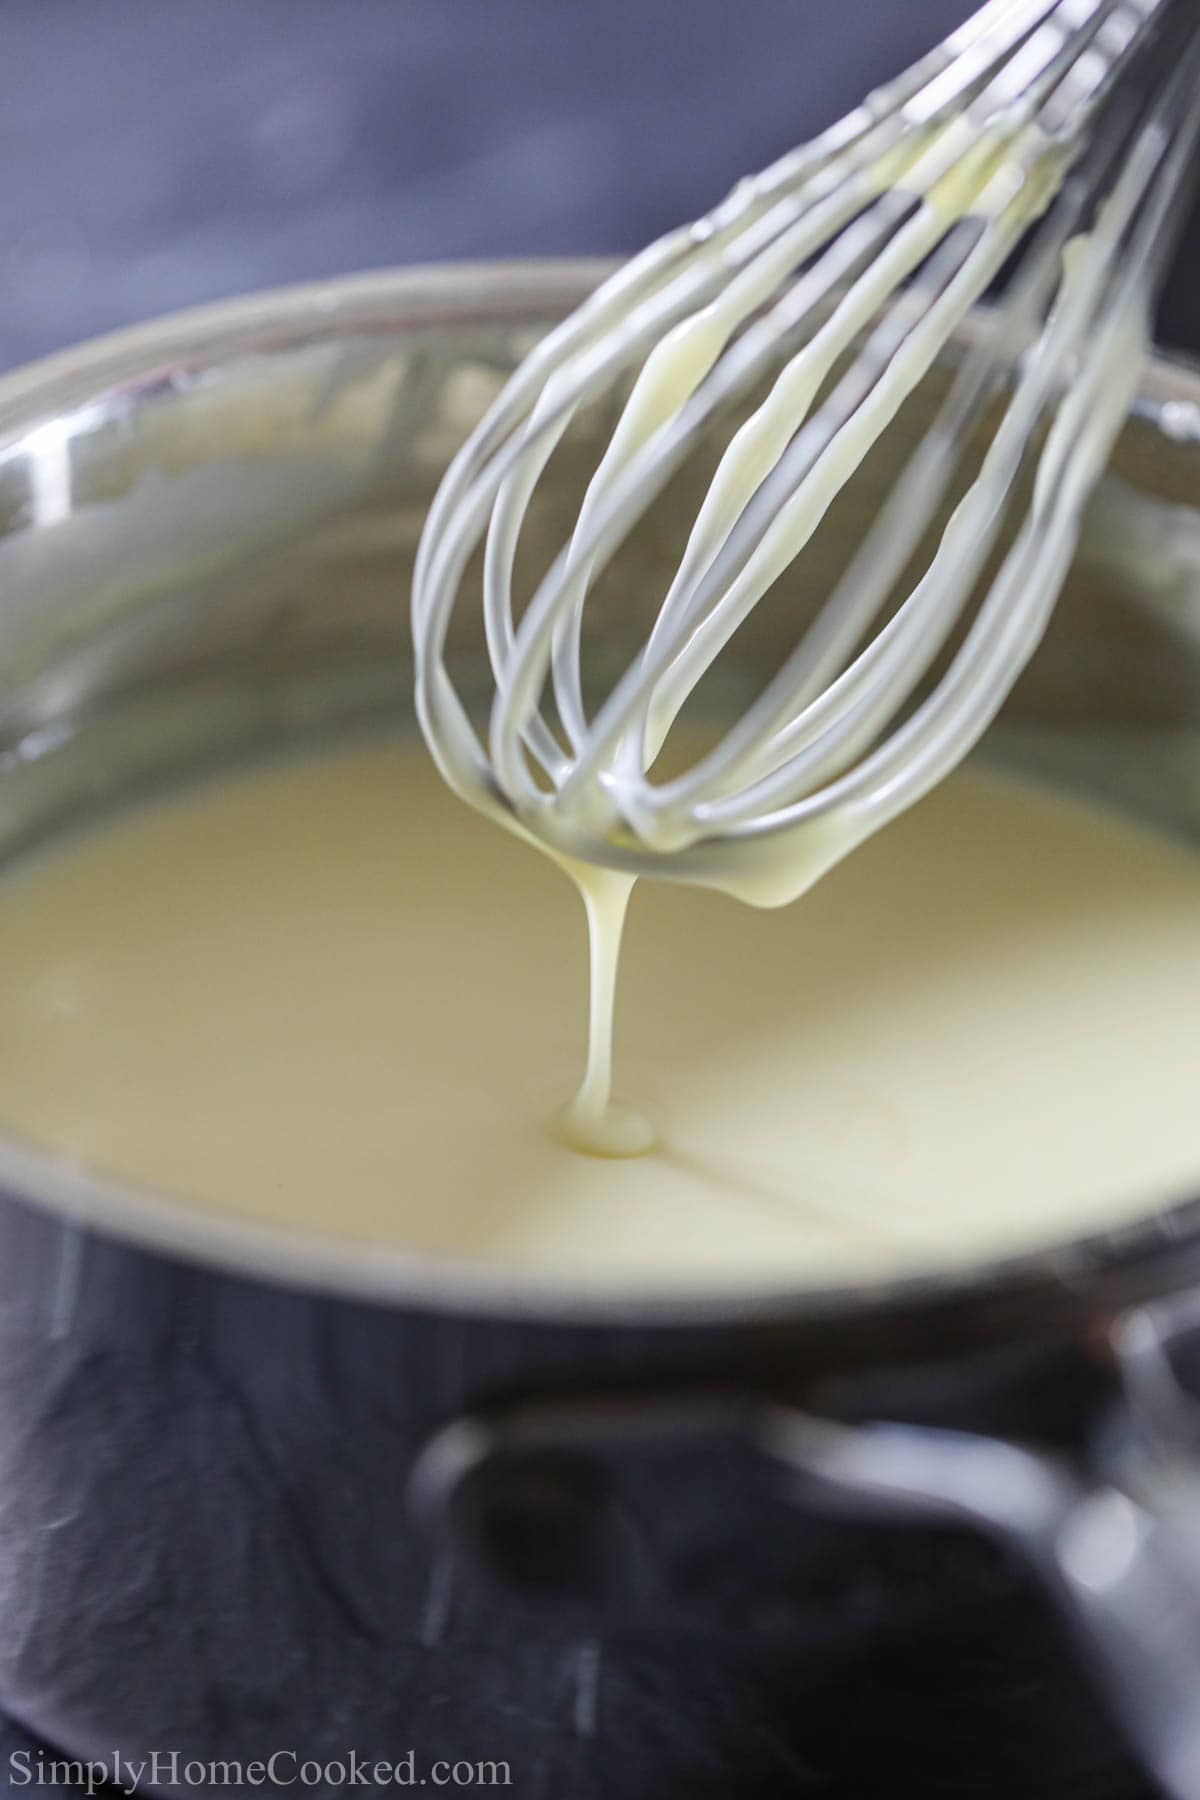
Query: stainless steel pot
[(258, 1489)]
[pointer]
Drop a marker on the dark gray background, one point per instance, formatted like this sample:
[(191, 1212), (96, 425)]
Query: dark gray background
[(156, 153)]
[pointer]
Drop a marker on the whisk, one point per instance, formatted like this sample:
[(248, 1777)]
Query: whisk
[(1062, 129)]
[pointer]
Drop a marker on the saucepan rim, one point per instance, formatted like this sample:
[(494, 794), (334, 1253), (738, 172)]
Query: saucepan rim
[(1045, 1289)]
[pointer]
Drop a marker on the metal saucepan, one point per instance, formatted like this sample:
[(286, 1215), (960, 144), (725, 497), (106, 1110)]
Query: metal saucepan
[(261, 1490)]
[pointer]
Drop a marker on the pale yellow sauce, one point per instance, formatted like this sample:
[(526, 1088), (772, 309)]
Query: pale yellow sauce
[(331, 996)]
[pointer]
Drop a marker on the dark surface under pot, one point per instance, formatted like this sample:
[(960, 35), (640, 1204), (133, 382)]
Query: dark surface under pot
[(917, 1666), (663, 1622)]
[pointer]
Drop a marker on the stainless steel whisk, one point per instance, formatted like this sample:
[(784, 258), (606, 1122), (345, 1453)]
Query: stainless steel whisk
[(1056, 126)]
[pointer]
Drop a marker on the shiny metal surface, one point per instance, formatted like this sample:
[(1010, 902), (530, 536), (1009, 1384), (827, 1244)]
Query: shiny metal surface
[(207, 1432)]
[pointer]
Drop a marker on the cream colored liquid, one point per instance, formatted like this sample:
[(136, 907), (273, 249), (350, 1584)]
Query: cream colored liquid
[(331, 996)]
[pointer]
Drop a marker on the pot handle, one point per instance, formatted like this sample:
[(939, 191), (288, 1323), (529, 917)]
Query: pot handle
[(1114, 1538), (1116, 1544)]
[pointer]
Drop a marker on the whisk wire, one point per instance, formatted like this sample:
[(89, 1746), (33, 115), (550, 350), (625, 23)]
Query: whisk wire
[(904, 251), (1011, 618), (841, 272)]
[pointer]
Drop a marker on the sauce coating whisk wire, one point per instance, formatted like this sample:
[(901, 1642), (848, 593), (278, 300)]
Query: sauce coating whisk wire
[(1052, 138)]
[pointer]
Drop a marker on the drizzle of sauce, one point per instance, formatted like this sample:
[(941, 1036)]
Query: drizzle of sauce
[(957, 175), (955, 172), (594, 1122)]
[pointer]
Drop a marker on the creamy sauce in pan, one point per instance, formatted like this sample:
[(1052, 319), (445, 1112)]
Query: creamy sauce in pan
[(328, 995)]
